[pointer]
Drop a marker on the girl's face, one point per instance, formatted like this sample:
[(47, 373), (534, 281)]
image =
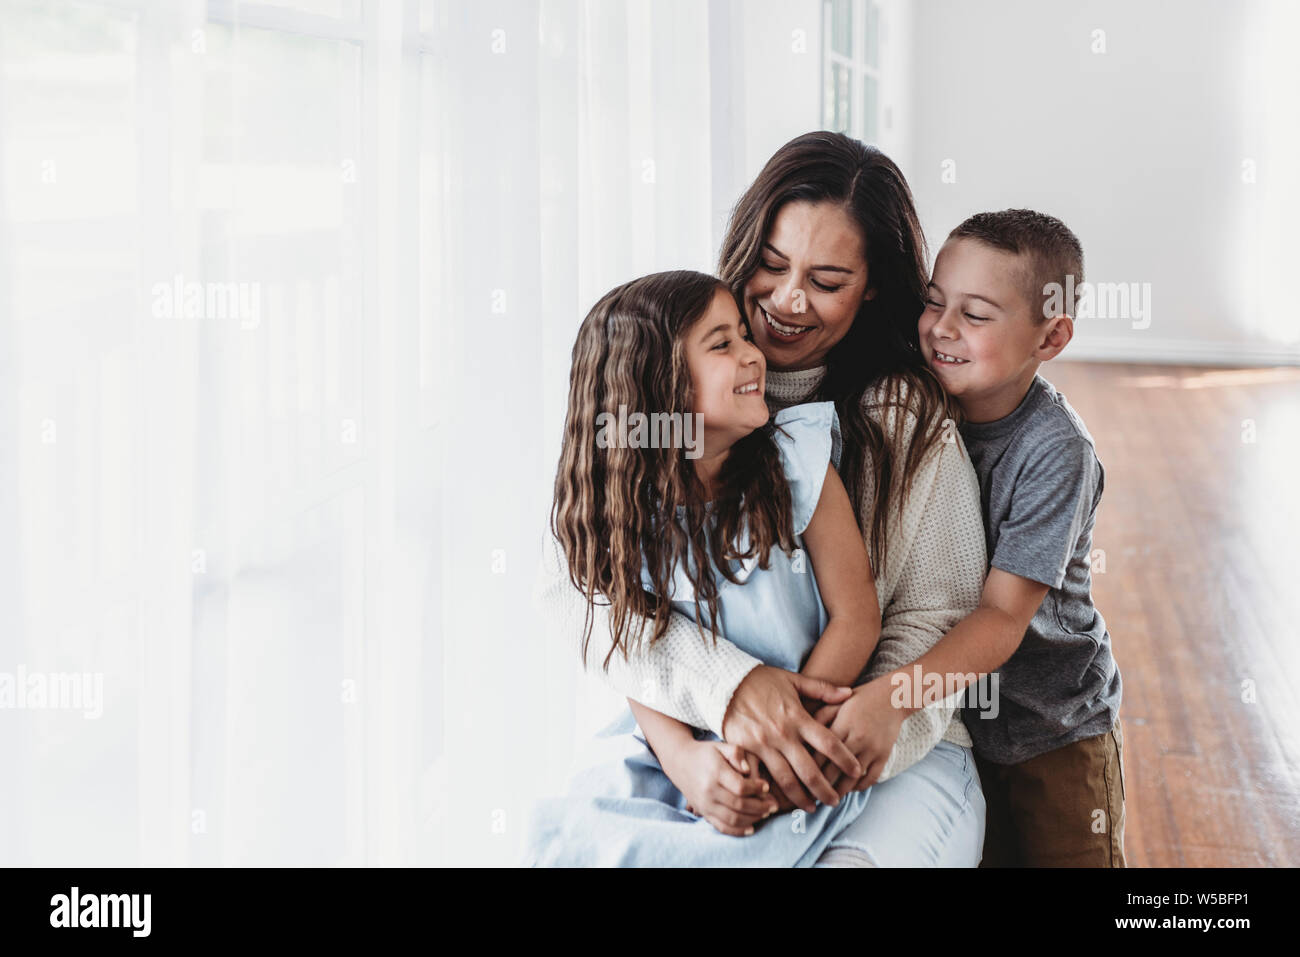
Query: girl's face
[(809, 284), (727, 375)]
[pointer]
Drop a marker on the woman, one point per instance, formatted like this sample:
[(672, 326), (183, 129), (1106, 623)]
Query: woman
[(825, 252)]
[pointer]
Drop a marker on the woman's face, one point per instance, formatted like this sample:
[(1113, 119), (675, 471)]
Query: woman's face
[(810, 281)]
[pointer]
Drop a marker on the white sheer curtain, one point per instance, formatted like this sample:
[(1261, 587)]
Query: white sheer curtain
[(291, 516), (580, 137)]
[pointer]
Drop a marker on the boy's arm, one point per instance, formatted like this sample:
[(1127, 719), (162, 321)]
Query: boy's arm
[(1051, 503), (982, 641), (839, 559)]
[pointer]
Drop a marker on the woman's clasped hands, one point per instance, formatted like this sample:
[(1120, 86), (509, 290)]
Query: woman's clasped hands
[(781, 754)]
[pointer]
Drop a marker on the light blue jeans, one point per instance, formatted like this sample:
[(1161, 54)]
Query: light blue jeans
[(931, 815)]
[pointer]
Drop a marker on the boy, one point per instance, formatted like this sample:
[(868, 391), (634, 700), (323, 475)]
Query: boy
[(1049, 753)]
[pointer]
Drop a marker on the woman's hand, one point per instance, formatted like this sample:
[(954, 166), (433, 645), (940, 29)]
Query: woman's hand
[(767, 719), (721, 784), (868, 723)]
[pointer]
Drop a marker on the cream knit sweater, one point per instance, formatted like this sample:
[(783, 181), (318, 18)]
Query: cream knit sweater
[(933, 579)]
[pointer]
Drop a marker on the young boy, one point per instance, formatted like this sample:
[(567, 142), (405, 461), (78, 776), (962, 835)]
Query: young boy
[(1049, 752)]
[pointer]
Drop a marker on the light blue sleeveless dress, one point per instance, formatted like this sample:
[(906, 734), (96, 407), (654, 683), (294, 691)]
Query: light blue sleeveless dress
[(622, 811)]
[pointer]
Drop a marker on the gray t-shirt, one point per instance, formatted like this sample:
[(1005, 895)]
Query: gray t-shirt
[(1040, 481)]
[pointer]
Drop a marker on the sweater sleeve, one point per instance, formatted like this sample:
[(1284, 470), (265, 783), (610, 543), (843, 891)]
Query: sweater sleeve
[(685, 674), (938, 565)]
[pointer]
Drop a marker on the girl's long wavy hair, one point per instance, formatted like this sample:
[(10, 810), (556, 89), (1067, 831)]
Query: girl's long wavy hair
[(882, 345), (615, 505)]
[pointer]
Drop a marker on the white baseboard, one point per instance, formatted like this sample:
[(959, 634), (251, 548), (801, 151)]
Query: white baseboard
[(1195, 352)]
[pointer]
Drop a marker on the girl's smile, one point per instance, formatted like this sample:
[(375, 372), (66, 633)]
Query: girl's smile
[(727, 375)]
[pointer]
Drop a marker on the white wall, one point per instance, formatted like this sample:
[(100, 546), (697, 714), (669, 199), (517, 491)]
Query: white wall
[(765, 67), (1140, 149)]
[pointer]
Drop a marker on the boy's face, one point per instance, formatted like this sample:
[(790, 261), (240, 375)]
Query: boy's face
[(979, 331)]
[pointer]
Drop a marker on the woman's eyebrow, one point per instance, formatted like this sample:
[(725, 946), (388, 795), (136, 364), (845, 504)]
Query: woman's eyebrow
[(769, 246)]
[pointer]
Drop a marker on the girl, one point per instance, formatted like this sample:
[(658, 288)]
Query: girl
[(719, 536)]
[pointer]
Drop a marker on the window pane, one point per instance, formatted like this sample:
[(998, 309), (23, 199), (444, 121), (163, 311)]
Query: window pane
[(432, 16), (432, 251), (280, 203), (841, 79), (841, 26), (828, 96), (871, 55), (870, 109)]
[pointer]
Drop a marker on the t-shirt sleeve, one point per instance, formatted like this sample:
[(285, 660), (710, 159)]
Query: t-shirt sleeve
[(1051, 503), (808, 438)]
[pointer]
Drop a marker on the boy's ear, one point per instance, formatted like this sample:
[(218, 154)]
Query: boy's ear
[(870, 294), (1055, 336)]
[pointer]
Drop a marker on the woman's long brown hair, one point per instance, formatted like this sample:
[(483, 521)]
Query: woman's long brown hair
[(615, 505), (882, 346)]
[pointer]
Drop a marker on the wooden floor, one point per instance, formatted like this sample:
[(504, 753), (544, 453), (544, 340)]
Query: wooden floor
[(1199, 525)]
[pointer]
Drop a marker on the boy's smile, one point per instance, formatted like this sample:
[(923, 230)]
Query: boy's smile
[(979, 331)]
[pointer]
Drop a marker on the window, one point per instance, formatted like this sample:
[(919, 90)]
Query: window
[(851, 68), (206, 486)]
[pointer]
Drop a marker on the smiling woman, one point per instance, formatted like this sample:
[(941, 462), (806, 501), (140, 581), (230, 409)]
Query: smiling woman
[(825, 254), (803, 303)]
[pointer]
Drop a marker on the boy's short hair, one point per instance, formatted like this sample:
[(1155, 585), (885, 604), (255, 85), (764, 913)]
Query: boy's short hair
[(1050, 252)]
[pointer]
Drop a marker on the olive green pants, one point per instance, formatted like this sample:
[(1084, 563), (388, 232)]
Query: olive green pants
[(1064, 808)]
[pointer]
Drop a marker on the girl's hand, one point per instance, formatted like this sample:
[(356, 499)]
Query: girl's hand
[(783, 803), (721, 783), (868, 723)]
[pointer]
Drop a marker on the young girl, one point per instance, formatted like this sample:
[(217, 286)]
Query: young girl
[(729, 532)]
